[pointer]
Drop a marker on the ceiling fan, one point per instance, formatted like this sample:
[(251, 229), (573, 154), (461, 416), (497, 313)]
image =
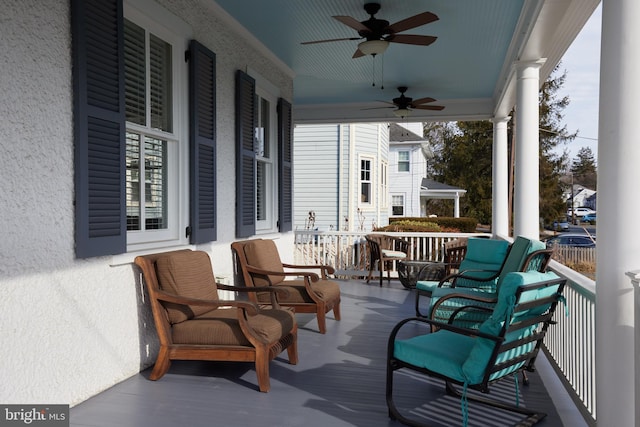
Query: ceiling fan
[(379, 33), (404, 104)]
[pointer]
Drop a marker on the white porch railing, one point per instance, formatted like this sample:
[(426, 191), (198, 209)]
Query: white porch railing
[(347, 251), (570, 343)]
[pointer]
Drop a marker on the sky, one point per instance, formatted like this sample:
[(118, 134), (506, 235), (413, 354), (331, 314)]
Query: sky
[(582, 63)]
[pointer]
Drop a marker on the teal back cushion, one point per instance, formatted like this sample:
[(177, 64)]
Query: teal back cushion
[(476, 364), (520, 249), (483, 259)]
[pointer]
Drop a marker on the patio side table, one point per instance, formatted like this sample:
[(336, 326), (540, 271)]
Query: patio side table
[(411, 271)]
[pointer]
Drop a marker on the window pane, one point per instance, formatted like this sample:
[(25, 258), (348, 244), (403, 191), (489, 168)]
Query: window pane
[(263, 130), (365, 194), (133, 181), (261, 196), (135, 73), (155, 183), (160, 84), (403, 161)]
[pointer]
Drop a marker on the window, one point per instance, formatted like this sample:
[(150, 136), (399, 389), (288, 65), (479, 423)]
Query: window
[(365, 181), (263, 157), (403, 161), (153, 137), (139, 171), (265, 139), (397, 205)]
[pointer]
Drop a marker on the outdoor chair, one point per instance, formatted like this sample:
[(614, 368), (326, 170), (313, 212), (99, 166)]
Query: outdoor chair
[(258, 264), (384, 250), (194, 324), (481, 273), (506, 343), (454, 252)]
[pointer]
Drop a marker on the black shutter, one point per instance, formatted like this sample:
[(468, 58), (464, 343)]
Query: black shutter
[(285, 179), (202, 143), (99, 127), (245, 155)]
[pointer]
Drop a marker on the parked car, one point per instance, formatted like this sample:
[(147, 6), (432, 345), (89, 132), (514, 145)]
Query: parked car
[(573, 240), (590, 218), (580, 212), (560, 225)]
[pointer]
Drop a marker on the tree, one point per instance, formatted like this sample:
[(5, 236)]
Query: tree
[(584, 169), (463, 156)]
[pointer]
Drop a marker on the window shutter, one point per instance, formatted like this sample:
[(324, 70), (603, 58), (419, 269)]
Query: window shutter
[(202, 143), (245, 155), (285, 180), (99, 127)]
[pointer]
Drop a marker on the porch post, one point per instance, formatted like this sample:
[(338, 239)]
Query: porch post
[(500, 191), (618, 248), (456, 206), (526, 210)]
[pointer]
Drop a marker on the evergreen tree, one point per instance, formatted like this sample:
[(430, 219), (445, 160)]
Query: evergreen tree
[(584, 169), (463, 158)]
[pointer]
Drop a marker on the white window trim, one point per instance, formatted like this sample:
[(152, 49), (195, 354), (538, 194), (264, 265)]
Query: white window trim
[(404, 204), (371, 181), (270, 92), (177, 33), (408, 161)]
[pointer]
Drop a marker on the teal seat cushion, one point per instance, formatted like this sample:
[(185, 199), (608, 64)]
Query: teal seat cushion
[(443, 352), (483, 259), (476, 364), (427, 285)]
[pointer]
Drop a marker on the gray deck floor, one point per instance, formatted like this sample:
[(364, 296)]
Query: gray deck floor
[(339, 381)]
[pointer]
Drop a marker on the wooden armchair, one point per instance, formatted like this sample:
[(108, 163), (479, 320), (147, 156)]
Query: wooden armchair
[(258, 264), (385, 250), (505, 344), (194, 324)]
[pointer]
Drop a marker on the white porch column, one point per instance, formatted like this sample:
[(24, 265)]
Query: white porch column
[(618, 249), (500, 188), (526, 206), (456, 206)]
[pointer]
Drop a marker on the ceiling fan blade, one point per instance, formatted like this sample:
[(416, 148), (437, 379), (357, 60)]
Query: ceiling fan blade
[(412, 39), (331, 40), (429, 107), (352, 22), (358, 54), (424, 100), (377, 108), (412, 22)]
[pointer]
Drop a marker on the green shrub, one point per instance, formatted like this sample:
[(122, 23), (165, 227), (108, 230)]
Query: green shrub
[(446, 224)]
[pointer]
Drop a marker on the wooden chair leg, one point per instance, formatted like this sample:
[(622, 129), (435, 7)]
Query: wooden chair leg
[(336, 311), (322, 321), (162, 364), (262, 369)]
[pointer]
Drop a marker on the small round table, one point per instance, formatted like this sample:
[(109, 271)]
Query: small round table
[(411, 271)]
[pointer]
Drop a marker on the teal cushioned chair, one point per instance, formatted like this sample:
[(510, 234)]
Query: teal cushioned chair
[(508, 341), (523, 255)]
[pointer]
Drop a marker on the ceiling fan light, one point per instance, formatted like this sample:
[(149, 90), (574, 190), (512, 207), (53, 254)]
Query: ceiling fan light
[(402, 112), (373, 47)]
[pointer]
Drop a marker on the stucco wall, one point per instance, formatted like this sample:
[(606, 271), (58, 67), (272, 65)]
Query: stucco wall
[(72, 328)]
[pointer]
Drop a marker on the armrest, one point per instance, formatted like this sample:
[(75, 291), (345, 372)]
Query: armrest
[(451, 278), (324, 269), (473, 301), (248, 306), (274, 291), (254, 270)]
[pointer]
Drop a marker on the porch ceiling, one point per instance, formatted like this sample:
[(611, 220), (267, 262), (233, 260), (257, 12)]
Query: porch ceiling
[(468, 69)]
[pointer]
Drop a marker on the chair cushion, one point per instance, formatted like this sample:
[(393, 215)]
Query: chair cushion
[(483, 259), (443, 352), (263, 254), (388, 253), (427, 285), (221, 327), (187, 274), (474, 367), (520, 249), (327, 290)]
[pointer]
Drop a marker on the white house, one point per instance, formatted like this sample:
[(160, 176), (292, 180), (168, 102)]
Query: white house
[(341, 176), (409, 187)]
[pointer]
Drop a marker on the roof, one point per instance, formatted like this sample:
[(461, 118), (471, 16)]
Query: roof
[(399, 133), (431, 185)]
